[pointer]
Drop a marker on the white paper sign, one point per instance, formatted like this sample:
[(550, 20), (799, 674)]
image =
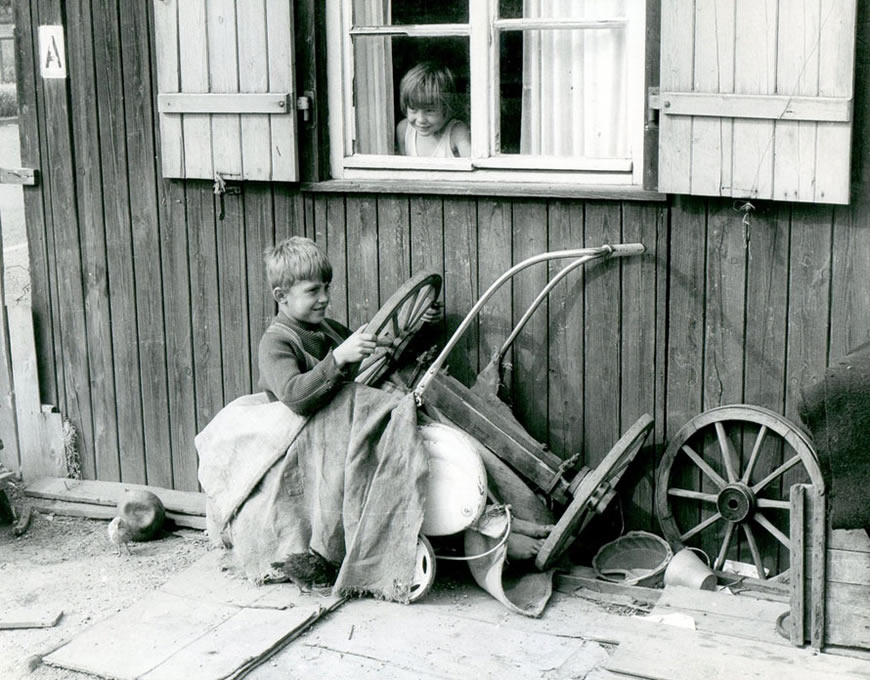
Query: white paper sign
[(52, 56)]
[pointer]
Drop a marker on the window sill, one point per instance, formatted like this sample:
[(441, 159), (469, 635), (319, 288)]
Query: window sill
[(505, 189)]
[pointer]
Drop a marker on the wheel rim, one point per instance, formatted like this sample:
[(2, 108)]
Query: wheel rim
[(723, 485), (424, 569), (395, 324), (594, 492)]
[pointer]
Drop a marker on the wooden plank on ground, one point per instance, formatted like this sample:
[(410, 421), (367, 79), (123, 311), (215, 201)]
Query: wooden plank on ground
[(224, 649), (137, 639), (92, 511), (721, 612), (677, 654), (28, 617), (110, 493)]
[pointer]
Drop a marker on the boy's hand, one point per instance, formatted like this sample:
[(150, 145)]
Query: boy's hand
[(356, 348), (434, 313)]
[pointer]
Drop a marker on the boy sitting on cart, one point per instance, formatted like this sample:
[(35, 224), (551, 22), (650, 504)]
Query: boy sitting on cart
[(318, 475)]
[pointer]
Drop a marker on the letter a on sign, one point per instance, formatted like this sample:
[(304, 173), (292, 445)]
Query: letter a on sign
[(52, 57)]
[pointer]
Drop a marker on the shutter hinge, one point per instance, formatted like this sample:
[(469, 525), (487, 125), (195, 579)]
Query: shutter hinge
[(654, 104), (305, 104)]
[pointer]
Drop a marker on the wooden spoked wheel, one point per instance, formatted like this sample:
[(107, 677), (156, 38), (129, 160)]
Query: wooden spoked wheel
[(395, 324), (592, 495), (723, 485)]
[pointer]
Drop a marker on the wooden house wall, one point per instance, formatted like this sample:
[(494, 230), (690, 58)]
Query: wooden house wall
[(149, 302)]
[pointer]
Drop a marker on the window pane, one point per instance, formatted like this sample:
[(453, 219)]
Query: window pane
[(405, 12), (560, 9), (563, 93), (380, 63)]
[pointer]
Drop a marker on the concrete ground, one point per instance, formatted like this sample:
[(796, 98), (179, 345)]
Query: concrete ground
[(17, 276)]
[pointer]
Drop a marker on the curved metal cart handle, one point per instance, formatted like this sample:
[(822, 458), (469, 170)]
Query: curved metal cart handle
[(605, 251)]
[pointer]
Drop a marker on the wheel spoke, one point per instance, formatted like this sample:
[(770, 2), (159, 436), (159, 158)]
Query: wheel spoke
[(729, 456), (712, 519), (705, 467), (776, 533), (773, 503), (695, 495), (753, 458), (377, 362), (782, 469), (753, 548), (726, 542), (421, 304)]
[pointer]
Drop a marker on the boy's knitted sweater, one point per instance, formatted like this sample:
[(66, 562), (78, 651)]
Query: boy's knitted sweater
[(297, 366)]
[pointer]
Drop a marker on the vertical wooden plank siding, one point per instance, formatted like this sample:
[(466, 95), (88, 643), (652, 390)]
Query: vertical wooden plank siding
[(260, 234), (235, 325), (141, 151), (363, 260), (426, 221), (120, 250), (336, 248), (603, 330), (530, 353), (205, 303), (641, 391), (850, 303), (461, 257), (725, 298), (31, 124), (566, 346), (495, 239), (393, 238), (59, 171), (86, 131)]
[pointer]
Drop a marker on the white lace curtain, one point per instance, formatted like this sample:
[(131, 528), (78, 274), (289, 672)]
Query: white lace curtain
[(574, 83), (373, 81)]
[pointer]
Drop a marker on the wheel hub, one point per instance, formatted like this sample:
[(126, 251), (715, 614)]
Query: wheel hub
[(736, 502)]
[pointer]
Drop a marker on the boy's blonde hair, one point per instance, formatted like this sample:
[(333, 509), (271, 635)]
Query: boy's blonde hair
[(428, 84), (296, 259)]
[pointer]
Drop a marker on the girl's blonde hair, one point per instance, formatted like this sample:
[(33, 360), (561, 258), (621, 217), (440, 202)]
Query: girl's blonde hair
[(427, 85), (296, 259)]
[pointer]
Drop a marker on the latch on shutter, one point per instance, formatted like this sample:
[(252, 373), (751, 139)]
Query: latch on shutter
[(305, 104)]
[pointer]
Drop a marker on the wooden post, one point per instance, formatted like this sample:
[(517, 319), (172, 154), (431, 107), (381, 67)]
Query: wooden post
[(9, 453), (796, 565)]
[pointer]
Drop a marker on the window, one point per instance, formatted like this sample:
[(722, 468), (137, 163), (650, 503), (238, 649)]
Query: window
[(544, 90)]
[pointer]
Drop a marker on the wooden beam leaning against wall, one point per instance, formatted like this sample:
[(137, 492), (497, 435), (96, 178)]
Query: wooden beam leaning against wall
[(32, 434)]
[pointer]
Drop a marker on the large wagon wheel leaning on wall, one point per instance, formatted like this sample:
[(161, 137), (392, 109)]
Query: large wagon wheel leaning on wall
[(395, 324), (723, 485)]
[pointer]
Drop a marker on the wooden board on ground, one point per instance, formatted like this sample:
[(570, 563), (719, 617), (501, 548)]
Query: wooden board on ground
[(110, 493), (676, 654), (29, 617), (722, 612), (167, 636), (93, 511)]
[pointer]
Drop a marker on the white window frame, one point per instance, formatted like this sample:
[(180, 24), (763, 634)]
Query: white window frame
[(483, 165)]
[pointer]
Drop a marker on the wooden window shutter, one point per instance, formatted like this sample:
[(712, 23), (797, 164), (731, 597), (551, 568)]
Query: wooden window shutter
[(756, 98), (226, 93)]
